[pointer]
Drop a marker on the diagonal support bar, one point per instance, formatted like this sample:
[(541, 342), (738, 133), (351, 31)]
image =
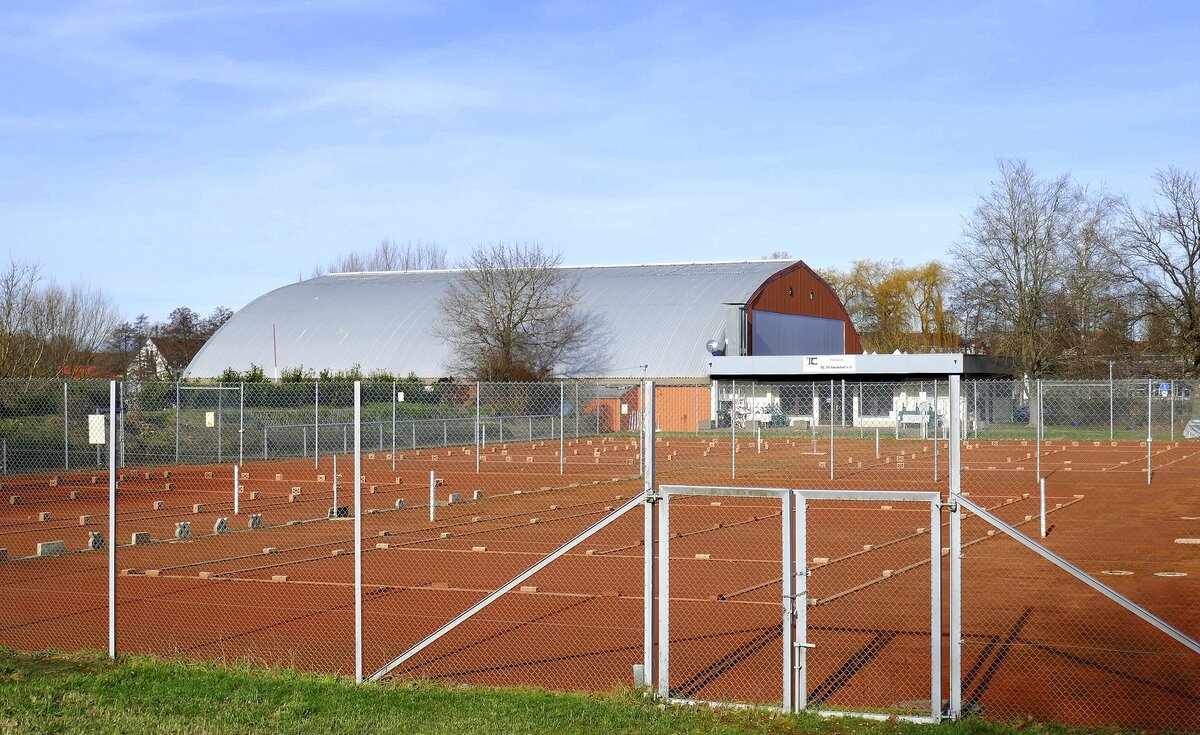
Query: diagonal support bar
[(508, 587), (1081, 575)]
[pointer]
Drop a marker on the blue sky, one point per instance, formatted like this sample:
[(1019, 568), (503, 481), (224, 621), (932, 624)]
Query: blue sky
[(202, 153)]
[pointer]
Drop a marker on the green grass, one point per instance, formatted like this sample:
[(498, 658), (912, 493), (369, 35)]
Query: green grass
[(88, 694)]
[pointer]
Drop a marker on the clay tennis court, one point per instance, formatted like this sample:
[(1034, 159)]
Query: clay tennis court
[(1037, 642)]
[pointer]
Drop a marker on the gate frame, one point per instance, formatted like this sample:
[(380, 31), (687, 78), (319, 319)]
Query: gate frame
[(795, 572)]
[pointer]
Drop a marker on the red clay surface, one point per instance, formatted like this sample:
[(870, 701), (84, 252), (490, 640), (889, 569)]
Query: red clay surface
[(1037, 642)]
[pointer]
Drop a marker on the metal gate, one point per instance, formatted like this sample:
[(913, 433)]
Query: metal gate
[(825, 600)]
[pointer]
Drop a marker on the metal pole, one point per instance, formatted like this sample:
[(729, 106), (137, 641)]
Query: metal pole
[(648, 540), (832, 447), (335, 487), (477, 432), (112, 519), (413, 427), (177, 409), (800, 585), (345, 448), (955, 554), (121, 421), (1042, 487), (788, 532), (876, 442), (1110, 400), (305, 441), (220, 418), (664, 597), (241, 419), (358, 598), (432, 498), (395, 400), (316, 425), (935, 431), (562, 429), (264, 442), (975, 408), (575, 408), (1172, 389), (1038, 428), (235, 490), (1149, 424), (857, 413), (66, 423), (733, 429), (843, 403)]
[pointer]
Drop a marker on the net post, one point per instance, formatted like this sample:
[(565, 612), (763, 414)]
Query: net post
[(664, 596), (649, 542), (955, 553)]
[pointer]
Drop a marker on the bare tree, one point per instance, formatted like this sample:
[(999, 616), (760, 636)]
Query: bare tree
[(390, 255), (1009, 265), (1160, 255), (512, 314), (777, 255), (47, 328)]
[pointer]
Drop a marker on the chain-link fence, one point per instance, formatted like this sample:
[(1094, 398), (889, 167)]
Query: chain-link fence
[(246, 516)]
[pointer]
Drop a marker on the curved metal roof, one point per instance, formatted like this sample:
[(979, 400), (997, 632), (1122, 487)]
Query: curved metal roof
[(657, 316)]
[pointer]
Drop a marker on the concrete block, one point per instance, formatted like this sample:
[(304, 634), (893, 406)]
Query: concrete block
[(169, 486), (206, 575), (73, 495), (221, 525), (270, 550), (198, 508), (383, 546), (183, 530), (255, 521), (85, 520), (152, 572), (139, 538), (703, 556), (55, 481), (159, 505), (254, 495), (3, 555), (96, 541), (399, 503), (44, 516), (820, 560), (479, 548), (888, 573), (279, 578), (297, 490), (320, 478), (528, 588), (534, 520), (445, 534), (439, 481), (208, 475), (14, 500), (477, 495), (278, 476), (454, 498), (167, 475), (51, 548)]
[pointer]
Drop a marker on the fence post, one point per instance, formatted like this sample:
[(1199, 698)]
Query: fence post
[(832, 446), (264, 442), (1110, 400), (575, 408), (121, 419), (395, 400), (648, 542), (1149, 423), (235, 489), (1172, 389), (112, 519), (178, 408), (220, 418), (66, 423), (477, 434), (358, 600), (241, 419), (316, 424), (935, 430), (335, 486), (562, 429), (788, 579), (1042, 496), (955, 555), (432, 496), (1039, 428), (733, 428)]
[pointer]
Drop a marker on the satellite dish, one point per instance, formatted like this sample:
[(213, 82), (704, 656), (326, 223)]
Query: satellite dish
[(713, 347)]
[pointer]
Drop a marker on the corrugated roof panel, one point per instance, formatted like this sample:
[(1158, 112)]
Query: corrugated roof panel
[(659, 316)]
